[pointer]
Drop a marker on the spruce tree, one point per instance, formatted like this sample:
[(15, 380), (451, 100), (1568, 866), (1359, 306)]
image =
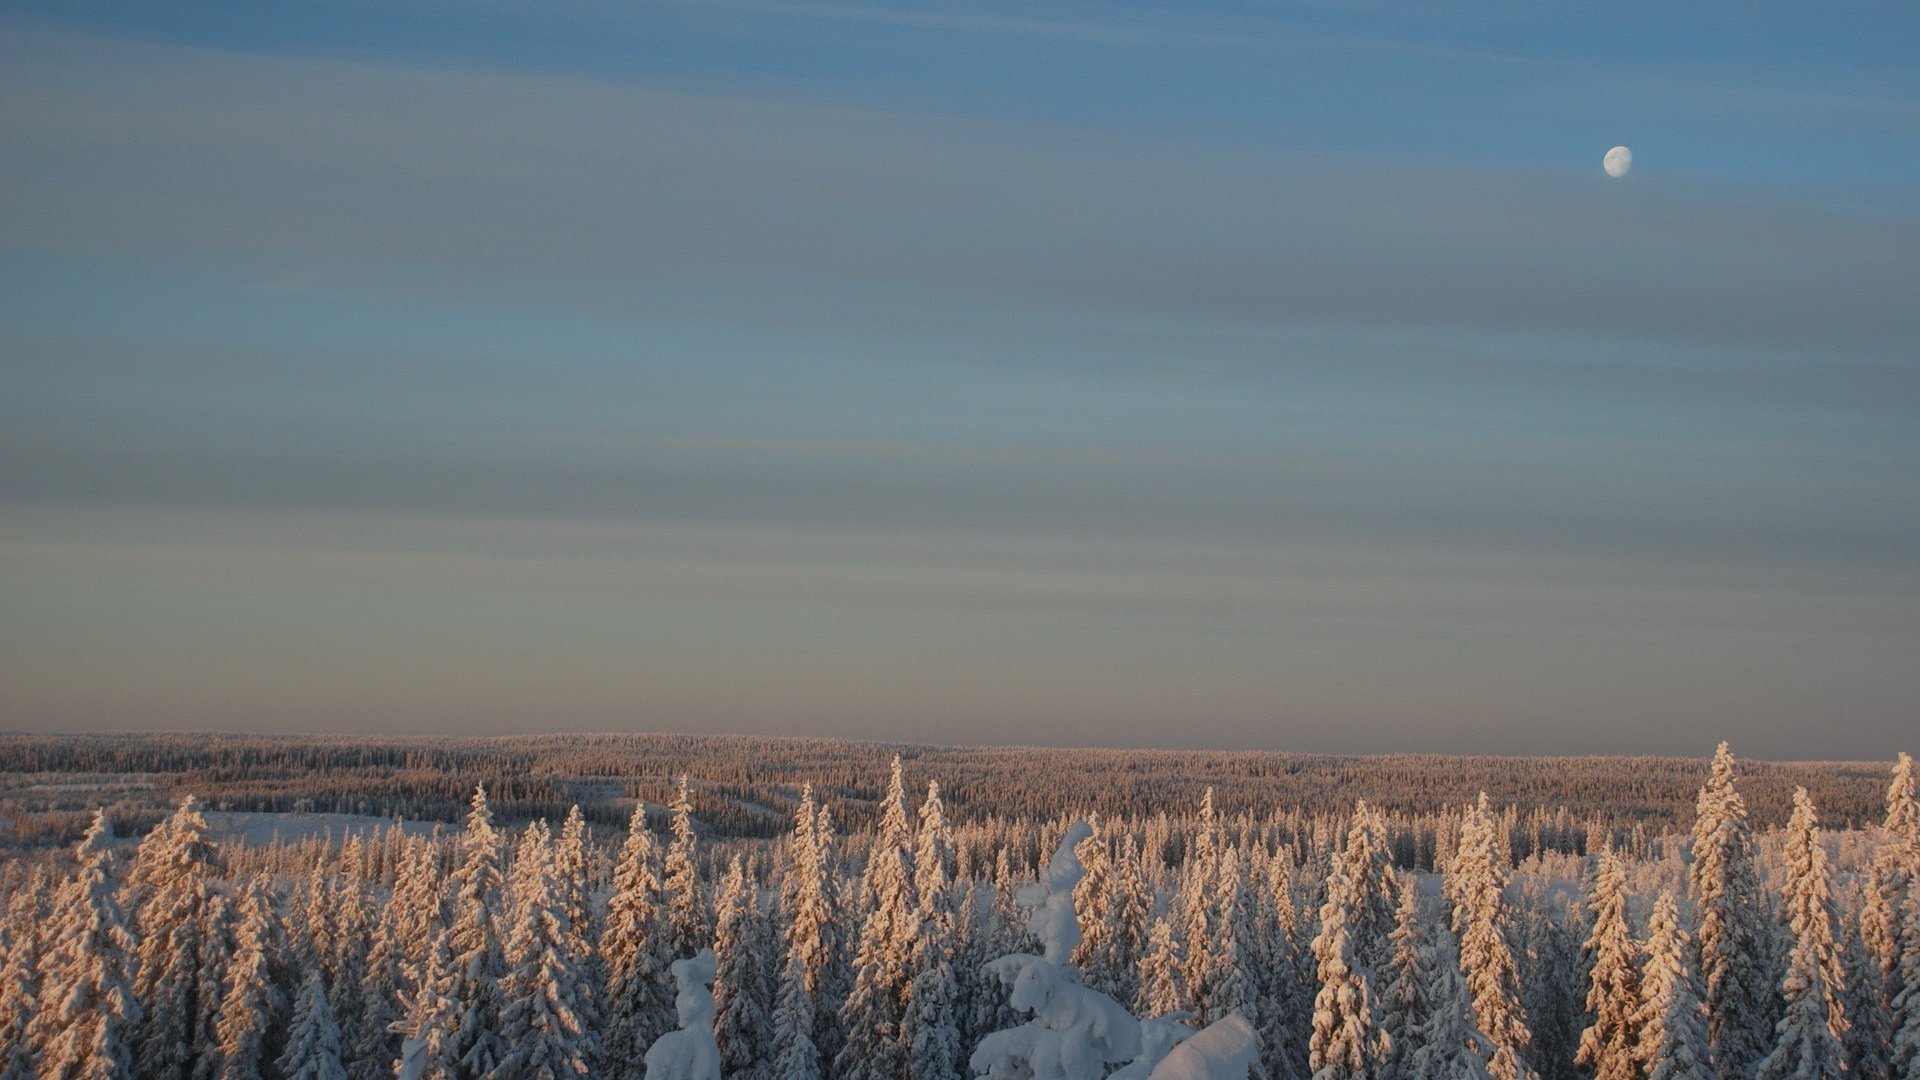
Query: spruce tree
[(349, 992), (688, 920), (430, 1017), (475, 1048), (930, 1028), (173, 954), (1404, 1004), (807, 910), (1476, 881), (83, 1028), (253, 1009), (1734, 965), (19, 985), (1609, 1045), (542, 1022), (313, 1046), (1162, 989), (742, 1017), (1447, 1045), (1673, 1021), (1347, 1041), (875, 1010), (1906, 1000), (637, 951), (1811, 1032)]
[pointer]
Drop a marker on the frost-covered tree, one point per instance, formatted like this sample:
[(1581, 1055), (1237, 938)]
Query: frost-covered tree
[(1234, 981), (1403, 1002), (743, 1022), (637, 951), (1734, 965), (1198, 906), (543, 1023), (1347, 1042), (350, 995), (875, 1011), (1368, 864), (479, 964), (1097, 956), (689, 922), (1446, 1045), (84, 1025), (573, 880), (1811, 1032), (1547, 936), (1673, 1020), (1876, 973), (1286, 998), (1609, 1045), (931, 1026), (803, 1012), (313, 1045), (253, 1009), (1869, 1037), (1476, 882), (1129, 918), (19, 985), (1906, 1001), (430, 1018), (173, 955), (1161, 989)]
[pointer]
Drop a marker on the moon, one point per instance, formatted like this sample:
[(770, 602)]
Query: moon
[(1618, 161)]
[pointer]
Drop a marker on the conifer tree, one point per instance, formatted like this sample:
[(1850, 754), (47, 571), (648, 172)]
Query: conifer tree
[(1869, 1039), (637, 951), (1286, 998), (688, 920), (1906, 1001), (742, 1016), (875, 1011), (1881, 938), (19, 986), (1404, 1004), (430, 1017), (474, 1047), (1673, 1027), (931, 1028), (1095, 903), (1234, 979), (313, 1046), (1609, 1045), (217, 947), (84, 1026), (1811, 1032), (173, 951), (349, 993), (1198, 906), (804, 1016), (1129, 915), (1734, 966), (1347, 1042), (1476, 881), (1447, 1045), (1162, 986), (542, 1023), (253, 1008)]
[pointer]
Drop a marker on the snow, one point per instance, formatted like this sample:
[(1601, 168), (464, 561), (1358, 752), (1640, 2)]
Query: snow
[(1224, 1050), (690, 1053), (261, 828)]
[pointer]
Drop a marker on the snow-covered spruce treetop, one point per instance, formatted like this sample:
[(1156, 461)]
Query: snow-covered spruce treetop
[(691, 1052), (1077, 1033)]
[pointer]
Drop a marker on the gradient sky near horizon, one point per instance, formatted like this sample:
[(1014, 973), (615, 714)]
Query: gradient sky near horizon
[(1211, 374)]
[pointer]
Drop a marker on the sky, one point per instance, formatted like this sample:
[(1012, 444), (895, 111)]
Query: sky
[(1187, 375)]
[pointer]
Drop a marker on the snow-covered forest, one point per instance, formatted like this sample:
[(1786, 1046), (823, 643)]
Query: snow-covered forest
[(1090, 915)]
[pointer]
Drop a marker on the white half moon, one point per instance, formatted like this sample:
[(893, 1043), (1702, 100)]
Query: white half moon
[(1618, 161)]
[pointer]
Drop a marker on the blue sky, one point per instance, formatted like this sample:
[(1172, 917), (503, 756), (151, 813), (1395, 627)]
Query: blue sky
[(1198, 375)]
